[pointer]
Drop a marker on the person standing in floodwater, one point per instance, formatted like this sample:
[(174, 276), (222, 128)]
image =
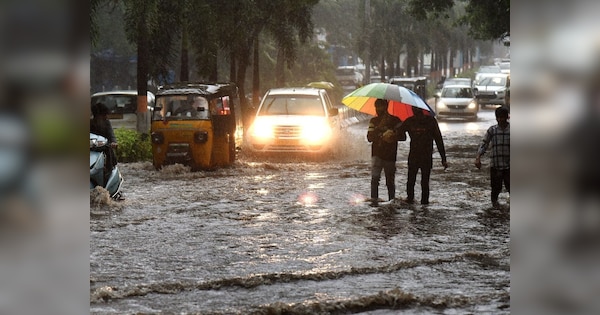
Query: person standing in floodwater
[(383, 133), (423, 131), (498, 138)]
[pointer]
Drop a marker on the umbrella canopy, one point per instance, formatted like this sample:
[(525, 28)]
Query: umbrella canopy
[(401, 100)]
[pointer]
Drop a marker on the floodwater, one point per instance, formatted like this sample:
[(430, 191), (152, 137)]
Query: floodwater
[(290, 236)]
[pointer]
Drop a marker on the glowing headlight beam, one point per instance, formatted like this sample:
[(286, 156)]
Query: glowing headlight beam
[(315, 133), (262, 131)]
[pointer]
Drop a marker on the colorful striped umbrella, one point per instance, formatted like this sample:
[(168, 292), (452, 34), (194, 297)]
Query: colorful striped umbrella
[(400, 99)]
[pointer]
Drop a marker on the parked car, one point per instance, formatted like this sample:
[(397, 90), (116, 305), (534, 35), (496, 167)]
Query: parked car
[(485, 71), (504, 67), (294, 120), (492, 89), (456, 101), (348, 77), (416, 84), (122, 105)]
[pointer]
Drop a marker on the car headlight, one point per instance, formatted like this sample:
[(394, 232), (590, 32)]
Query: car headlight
[(201, 136), (316, 133), (441, 104), (96, 143), (472, 105), (262, 131), (157, 138)]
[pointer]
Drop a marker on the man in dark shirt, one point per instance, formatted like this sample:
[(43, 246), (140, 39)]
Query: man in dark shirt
[(423, 131), (383, 133)]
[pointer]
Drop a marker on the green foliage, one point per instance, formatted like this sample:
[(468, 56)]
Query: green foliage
[(132, 146), (487, 20), (484, 25), (470, 73)]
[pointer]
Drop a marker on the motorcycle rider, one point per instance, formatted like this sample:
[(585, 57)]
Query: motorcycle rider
[(100, 125)]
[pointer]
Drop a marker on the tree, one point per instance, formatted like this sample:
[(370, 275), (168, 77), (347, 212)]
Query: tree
[(340, 20), (487, 20), (494, 26), (290, 27)]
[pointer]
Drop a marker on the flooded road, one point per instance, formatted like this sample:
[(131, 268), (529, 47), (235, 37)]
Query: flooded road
[(296, 237)]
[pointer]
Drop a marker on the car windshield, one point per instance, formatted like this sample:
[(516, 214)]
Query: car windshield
[(344, 71), (493, 81), (458, 92), (459, 80), (408, 85), (504, 65), (117, 104), (292, 105), (489, 69), (183, 107)]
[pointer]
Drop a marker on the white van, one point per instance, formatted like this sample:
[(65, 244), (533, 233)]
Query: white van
[(122, 106)]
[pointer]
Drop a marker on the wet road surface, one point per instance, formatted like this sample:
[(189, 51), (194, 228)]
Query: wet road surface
[(292, 236)]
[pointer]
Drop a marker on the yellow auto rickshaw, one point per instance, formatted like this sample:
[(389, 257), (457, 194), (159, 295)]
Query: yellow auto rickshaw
[(196, 124)]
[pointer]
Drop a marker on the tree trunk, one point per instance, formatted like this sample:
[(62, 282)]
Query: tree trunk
[(279, 68), (443, 63), (232, 67), (142, 80), (382, 69), (451, 62), (242, 65), (468, 59), (433, 71), (398, 68), (367, 74), (213, 75), (408, 57), (255, 75), (184, 70)]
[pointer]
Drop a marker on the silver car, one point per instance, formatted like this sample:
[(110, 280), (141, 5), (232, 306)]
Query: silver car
[(456, 101), (492, 89)]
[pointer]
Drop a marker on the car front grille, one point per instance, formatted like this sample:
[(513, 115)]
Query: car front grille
[(287, 132), (487, 95)]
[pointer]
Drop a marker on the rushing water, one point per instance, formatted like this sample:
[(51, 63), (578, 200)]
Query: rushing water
[(276, 236)]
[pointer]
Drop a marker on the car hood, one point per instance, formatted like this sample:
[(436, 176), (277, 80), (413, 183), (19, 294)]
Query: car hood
[(456, 101), (490, 88), (288, 119)]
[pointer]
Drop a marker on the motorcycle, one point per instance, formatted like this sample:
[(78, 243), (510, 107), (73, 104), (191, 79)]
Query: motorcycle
[(102, 174)]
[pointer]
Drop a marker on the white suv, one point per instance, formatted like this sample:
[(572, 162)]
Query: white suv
[(298, 119)]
